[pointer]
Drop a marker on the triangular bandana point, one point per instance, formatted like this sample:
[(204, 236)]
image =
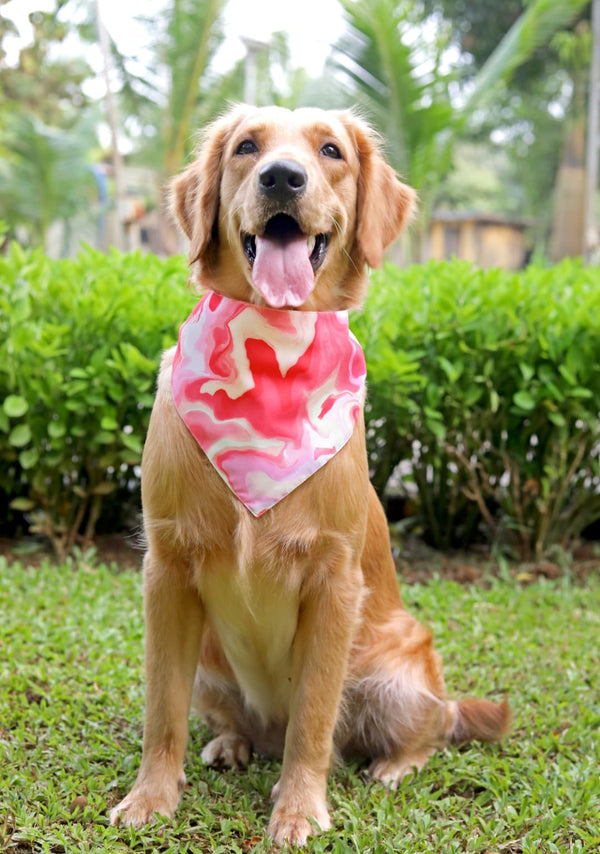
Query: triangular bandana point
[(270, 395)]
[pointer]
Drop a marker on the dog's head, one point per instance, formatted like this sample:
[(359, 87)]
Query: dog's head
[(285, 208)]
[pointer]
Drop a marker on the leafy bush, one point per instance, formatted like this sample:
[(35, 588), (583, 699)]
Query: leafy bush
[(487, 385), (80, 341)]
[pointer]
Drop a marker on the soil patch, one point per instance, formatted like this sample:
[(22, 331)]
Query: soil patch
[(416, 562)]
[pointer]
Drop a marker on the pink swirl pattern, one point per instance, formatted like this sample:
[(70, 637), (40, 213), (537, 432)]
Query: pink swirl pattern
[(270, 395)]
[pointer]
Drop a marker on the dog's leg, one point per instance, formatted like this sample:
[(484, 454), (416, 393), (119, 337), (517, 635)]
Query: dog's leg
[(173, 630), (398, 712), (449, 723), (396, 708), (328, 614)]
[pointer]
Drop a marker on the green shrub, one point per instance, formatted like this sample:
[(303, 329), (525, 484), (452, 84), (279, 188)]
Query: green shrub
[(487, 383), (80, 341)]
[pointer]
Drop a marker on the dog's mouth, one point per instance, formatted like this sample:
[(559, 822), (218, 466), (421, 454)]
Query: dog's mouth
[(284, 261)]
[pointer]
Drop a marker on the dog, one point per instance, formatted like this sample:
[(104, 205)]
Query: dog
[(282, 620)]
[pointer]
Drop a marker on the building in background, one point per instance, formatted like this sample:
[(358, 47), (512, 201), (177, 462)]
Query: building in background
[(488, 240)]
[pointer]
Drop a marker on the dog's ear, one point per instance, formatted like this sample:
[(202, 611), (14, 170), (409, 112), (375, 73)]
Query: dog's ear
[(195, 193), (385, 205)]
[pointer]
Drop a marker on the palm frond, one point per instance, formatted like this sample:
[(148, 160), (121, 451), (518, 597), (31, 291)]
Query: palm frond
[(390, 65), (380, 58), (533, 28), (194, 35)]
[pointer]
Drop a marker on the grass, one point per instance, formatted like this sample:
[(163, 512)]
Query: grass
[(71, 709)]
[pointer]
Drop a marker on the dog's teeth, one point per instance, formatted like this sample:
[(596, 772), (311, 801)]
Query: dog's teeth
[(311, 243)]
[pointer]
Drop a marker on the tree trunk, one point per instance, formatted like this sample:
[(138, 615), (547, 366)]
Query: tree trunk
[(569, 194)]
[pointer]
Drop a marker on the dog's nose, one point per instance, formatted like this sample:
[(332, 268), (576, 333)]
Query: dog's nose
[(282, 180)]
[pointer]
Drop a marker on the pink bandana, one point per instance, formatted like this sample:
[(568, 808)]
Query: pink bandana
[(270, 395)]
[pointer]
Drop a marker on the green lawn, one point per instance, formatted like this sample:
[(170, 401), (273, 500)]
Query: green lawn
[(71, 701)]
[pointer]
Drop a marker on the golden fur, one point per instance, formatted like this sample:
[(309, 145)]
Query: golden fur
[(287, 630)]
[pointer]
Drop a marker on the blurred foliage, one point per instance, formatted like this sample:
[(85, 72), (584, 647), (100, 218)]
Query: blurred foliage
[(482, 180), (45, 175), (42, 83), (395, 70), (532, 117), (420, 98), (47, 128), (171, 90), (478, 26), (181, 52), (502, 76)]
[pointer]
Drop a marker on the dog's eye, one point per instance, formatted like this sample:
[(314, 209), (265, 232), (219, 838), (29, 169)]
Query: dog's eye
[(247, 146), (331, 150)]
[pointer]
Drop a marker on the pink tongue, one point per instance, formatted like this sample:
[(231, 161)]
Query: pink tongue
[(282, 272)]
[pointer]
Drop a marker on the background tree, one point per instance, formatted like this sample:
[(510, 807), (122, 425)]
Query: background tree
[(574, 49), (280, 81), (44, 81), (163, 96), (46, 129), (395, 71), (538, 118), (171, 89), (45, 177), (177, 90), (426, 82), (416, 96)]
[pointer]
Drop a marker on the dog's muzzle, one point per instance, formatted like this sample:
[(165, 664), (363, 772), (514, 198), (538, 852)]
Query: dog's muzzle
[(284, 259)]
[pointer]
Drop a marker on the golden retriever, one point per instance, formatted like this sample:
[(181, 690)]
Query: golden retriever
[(286, 629)]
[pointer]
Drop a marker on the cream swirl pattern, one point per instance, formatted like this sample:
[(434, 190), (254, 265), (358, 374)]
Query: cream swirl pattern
[(270, 395)]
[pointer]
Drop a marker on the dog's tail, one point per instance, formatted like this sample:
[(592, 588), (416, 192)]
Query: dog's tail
[(478, 720)]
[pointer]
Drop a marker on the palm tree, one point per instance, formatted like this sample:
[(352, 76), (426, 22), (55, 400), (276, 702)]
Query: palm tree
[(194, 34), (45, 174), (173, 91), (397, 71), (569, 235)]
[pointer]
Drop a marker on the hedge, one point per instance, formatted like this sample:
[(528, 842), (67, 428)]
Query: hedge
[(80, 342), (484, 388), (486, 384)]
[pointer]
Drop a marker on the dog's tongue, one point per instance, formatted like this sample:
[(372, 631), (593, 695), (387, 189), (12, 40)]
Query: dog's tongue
[(282, 272)]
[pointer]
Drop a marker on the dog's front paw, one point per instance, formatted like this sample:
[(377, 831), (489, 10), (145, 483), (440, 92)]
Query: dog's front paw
[(229, 750), (140, 807), (294, 827)]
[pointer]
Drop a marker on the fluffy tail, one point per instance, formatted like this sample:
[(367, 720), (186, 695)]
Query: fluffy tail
[(479, 720)]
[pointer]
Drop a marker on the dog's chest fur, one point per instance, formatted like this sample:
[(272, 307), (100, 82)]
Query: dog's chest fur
[(254, 613), (254, 588)]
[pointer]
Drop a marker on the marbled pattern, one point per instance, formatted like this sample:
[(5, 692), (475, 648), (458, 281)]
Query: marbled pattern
[(270, 395)]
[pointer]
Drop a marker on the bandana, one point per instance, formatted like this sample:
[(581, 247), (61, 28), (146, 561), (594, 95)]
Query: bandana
[(270, 395)]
